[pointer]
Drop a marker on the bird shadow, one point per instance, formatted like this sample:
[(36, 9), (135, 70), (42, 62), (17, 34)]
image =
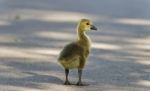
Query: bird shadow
[(28, 75), (34, 81)]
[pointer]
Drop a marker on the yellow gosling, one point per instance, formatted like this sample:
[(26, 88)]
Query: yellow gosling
[(74, 55)]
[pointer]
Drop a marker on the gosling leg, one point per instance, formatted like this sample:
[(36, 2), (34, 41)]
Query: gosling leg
[(67, 81), (79, 83)]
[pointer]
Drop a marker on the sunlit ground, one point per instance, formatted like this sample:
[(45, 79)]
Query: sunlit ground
[(33, 33)]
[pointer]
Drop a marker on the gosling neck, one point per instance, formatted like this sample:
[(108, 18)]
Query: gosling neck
[(82, 37)]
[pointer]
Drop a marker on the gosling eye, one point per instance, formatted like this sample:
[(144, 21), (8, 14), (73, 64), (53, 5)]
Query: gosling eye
[(87, 24)]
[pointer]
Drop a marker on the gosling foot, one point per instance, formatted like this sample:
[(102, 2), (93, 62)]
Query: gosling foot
[(81, 84), (67, 83)]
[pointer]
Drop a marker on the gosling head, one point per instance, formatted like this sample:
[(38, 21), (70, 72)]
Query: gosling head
[(86, 25)]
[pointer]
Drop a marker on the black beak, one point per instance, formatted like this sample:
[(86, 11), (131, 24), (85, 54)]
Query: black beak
[(93, 27)]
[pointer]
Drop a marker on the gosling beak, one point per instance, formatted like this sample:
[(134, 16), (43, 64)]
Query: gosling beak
[(93, 27)]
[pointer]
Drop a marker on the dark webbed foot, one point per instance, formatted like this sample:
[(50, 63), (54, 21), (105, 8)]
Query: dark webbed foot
[(67, 83), (81, 84)]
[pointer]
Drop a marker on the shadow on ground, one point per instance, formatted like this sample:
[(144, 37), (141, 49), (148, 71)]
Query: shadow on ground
[(30, 45)]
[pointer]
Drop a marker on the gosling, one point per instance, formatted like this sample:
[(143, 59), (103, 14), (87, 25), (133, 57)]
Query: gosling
[(75, 54)]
